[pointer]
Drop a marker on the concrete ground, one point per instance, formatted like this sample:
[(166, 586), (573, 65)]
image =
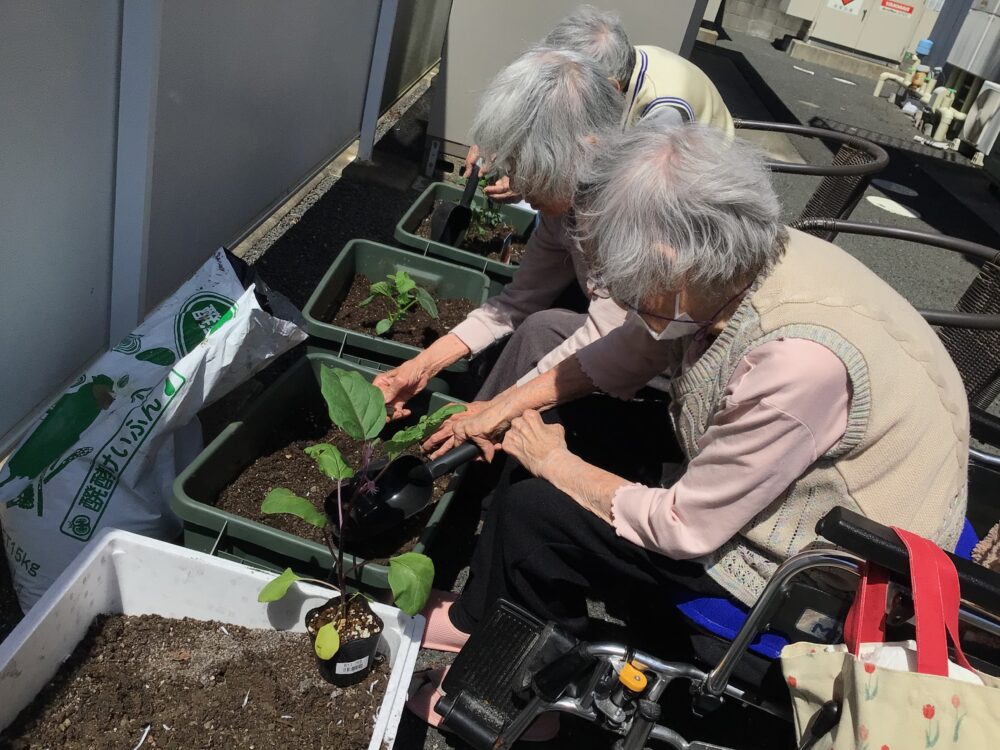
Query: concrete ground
[(760, 82)]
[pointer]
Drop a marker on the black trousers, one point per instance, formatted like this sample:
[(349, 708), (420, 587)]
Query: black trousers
[(540, 549)]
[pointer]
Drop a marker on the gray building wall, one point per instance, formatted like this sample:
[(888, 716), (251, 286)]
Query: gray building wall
[(252, 98), (58, 98), (485, 35), (417, 38), (762, 18)]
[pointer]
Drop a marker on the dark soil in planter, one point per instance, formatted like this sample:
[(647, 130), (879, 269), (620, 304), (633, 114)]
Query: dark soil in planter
[(489, 247), (196, 685), (285, 464), (417, 328)]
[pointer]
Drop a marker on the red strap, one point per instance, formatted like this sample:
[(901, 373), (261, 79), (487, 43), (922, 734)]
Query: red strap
[(865, 621), (936, 600)]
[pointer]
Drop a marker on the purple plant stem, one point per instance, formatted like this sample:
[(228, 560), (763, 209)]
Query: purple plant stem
[(341, 573)]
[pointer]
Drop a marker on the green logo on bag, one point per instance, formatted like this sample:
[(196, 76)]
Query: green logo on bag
[(111, 460), (202, 314), (42, 455)]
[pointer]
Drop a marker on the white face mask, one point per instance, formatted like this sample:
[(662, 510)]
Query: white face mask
[(681, 325)]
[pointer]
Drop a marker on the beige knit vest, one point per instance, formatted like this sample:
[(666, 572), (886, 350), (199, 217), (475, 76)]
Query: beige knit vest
[(903, 459)]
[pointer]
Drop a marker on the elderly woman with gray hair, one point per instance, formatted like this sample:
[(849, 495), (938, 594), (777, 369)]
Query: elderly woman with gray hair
[(652, 81), (538, 121), (801, 382)]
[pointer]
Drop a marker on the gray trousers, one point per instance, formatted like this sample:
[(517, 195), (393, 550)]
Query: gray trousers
[(539, 334)]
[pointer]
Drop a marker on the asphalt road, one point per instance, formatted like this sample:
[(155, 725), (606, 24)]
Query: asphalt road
[(950, 197)]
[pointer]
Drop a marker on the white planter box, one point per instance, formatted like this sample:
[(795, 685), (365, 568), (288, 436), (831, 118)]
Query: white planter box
[(120, 572)]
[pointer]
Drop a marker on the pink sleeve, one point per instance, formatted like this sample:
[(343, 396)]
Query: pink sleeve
[(603, 317), (785, 406), (623, 361), (547, 268)]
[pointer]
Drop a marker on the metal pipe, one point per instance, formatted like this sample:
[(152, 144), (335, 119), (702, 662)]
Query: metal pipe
[(880, 159), (887, 76), (774, 593), (665, 734), (985, 458), (948, 115), (376, 77), (972, 249)]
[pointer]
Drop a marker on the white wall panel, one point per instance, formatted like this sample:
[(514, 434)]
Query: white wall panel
[(416, 44), (58, 100), (252, 97)]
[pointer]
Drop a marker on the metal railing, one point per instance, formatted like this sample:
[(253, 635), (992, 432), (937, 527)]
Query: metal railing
[(845, 179)]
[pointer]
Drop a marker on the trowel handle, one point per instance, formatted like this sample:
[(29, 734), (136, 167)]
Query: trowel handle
[(452, 460), (470, 187)]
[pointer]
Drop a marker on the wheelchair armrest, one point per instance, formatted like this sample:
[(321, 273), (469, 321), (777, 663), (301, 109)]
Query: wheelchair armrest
[(984, 426), (879, 544)]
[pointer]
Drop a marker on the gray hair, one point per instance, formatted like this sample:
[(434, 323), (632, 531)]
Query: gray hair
[(599, 35), (538, 116), (666, 207)]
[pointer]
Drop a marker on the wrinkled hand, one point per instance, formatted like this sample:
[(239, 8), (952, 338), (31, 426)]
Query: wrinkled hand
[(531, 441), (399, 386), (482, 422), (500, 190), (470, 159)]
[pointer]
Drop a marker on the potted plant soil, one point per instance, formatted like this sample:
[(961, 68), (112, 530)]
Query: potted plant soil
[(275, 445), (345, 631), (141, 643), (382, 302), (483, 245)]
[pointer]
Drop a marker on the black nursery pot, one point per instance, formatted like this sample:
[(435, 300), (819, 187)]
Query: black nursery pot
[(356, 657)]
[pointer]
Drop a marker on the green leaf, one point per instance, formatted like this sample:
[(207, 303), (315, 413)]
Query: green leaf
[(366, 301), (381, 287), (404, 282), (439, 415), (410, 578), (330, 461), (426, 301), (278, 587), (327, 642), (355, 405), (428, 423), (382, 326), (281, 500)]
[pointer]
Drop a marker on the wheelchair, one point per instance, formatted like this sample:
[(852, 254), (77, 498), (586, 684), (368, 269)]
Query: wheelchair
[(516, 667)]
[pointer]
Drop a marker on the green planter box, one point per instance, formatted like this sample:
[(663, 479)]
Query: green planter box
[(215, 531), (521, 219), (442, 280)]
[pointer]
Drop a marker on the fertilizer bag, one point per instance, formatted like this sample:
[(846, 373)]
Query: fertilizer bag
[(103, 454)]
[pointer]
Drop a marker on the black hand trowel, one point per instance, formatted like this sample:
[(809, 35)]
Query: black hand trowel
[(403, 489), (450, 221)]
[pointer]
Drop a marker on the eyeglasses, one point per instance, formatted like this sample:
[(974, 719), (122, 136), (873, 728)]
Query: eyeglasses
[(601, 293)]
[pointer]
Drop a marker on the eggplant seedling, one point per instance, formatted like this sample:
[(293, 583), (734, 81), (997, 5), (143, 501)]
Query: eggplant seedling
[(403, 293), (486, 214), (358, 408)]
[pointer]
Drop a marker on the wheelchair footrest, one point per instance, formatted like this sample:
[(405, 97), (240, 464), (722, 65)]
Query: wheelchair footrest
[(493, 668)]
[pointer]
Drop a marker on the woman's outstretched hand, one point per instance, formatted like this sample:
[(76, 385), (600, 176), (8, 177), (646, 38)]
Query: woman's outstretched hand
[(400, 385), (532, 442), (482, 422)]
